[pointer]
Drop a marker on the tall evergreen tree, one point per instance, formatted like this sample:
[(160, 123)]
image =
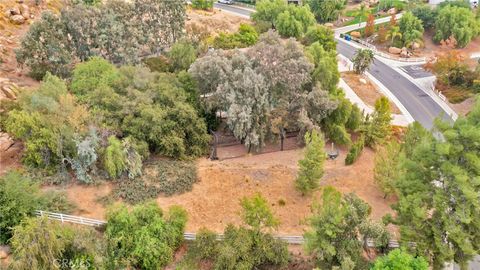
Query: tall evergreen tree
[(311, 166), (439, 192)]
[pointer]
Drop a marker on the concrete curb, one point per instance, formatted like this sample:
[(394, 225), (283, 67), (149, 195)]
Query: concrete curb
[(403, 119)]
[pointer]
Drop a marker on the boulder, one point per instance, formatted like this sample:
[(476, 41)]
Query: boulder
[(356, 34), (404, 54), (9, 93), (17, 19), (25, 11), (416, 45), (394, 50), (363, 81), (4, 252), (5, 143), (392, 11)]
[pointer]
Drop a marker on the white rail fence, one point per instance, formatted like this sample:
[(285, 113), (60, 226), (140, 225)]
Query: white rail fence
[(291, 239)]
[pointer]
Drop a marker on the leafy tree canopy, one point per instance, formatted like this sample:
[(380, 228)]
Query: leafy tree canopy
[(339, 229), (458, 22), (143, 237)]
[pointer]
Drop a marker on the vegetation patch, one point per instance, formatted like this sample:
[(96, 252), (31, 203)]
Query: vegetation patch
[(167, 177)]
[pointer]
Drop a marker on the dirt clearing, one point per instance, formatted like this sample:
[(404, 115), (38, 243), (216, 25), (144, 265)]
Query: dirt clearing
[(214, 201), (368, 92)]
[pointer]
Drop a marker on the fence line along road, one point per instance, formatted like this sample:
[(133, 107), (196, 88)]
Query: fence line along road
[(290, 239)]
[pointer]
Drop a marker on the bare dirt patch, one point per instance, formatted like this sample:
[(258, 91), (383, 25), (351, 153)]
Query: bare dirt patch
[(369, 92), (214, 201), (464, 107)]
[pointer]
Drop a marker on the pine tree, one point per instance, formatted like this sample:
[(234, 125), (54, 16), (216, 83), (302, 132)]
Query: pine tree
[(438, 189), (377, 126), (386, 163), (311, 166)]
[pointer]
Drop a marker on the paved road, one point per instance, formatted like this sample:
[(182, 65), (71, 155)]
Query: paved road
[(242, 12), (419, 104), (416, 71)]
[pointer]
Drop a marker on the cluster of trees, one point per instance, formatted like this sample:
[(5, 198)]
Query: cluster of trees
[(275, 87), (119, 31), (453, 73), (452, 18), (435, 179), (112, 119), (141, 238)]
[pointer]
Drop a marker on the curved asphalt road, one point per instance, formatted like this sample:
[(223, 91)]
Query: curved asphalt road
[(418, 103)]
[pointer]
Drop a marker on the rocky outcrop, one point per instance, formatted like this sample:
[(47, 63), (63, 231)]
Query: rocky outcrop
[(18, 14), (8, 89)]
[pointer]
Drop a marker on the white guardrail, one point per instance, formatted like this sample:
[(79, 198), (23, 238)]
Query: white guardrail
[(290, 239)]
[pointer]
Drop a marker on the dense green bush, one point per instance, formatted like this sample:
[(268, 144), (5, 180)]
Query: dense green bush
[(143, 238), (458, 22), (114, 158), (326, 10), (294, 21), (202, 4), (48, 120), (355, 151), (321, 34), (245, 36), (426, 14), (245, 249), (20, 196), (39, 243), (400, 258), (181, 55)]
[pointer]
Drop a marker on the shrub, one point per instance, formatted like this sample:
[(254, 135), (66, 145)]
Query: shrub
[(158, 64), (20, 196), (412, 29), (321, 34), (426, 14), (205, 245), (246, 36), (288, 26), (398, 257), (182, 54), (39, 243), (355, 151), (114, 158), (457, 22), (202, 4), (246, 249), (311, 166), (48, 120), (143, 238)]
